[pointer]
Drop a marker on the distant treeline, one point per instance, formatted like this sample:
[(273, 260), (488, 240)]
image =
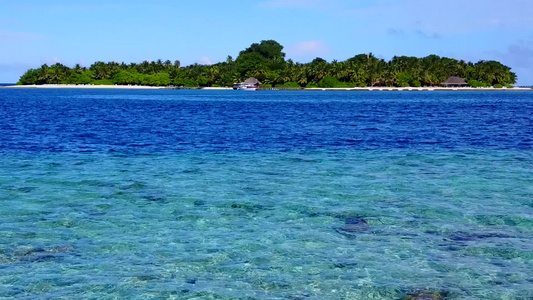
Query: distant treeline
[(266, 62)]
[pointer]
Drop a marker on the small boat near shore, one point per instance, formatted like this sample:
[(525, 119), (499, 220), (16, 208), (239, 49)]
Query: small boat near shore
[(241, 87), (250, 84)]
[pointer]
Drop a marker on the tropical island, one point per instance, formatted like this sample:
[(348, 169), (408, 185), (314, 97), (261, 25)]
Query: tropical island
[(266, 62)]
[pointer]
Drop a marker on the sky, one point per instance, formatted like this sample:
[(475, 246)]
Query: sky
[(35, 32)]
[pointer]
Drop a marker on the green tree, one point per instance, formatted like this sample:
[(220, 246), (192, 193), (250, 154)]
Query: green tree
[(266, 61), (328, 82)]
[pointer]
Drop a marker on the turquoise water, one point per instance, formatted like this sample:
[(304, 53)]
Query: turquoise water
[(334, 222)]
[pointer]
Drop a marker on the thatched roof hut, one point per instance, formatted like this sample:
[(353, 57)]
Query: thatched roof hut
[(454, 81), (249, 84), (252, 81)]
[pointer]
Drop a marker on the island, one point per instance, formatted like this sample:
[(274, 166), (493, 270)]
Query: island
[(266, 62)]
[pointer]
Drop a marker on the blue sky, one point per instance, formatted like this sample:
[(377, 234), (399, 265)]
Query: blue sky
[(33, 32)]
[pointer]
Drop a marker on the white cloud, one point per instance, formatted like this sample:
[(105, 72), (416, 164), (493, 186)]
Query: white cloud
[(204, 60), (308, 49)]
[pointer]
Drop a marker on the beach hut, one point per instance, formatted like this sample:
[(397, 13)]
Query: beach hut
[(249, 84), (252, 81), (454, 81)]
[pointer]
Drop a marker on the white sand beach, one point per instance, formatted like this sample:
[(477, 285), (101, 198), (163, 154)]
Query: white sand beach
[(218, 88), (418, 89), (142, 87), (84, 86)]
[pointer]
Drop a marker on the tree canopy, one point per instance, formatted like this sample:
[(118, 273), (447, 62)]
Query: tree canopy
[(266, 61)]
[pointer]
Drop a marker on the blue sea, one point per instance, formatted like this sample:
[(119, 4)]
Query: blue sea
[(165, 194)]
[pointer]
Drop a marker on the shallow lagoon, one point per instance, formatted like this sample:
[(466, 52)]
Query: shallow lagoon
[(255, 197)]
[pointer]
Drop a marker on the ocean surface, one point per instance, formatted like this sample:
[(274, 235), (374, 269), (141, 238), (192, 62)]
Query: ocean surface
[(162, 194)]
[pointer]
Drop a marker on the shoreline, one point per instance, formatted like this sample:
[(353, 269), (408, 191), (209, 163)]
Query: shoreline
[(84, 86), (142, 87), (420, 89)]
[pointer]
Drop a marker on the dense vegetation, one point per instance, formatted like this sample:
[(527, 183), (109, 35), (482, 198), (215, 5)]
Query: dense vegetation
[(266, 61)]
